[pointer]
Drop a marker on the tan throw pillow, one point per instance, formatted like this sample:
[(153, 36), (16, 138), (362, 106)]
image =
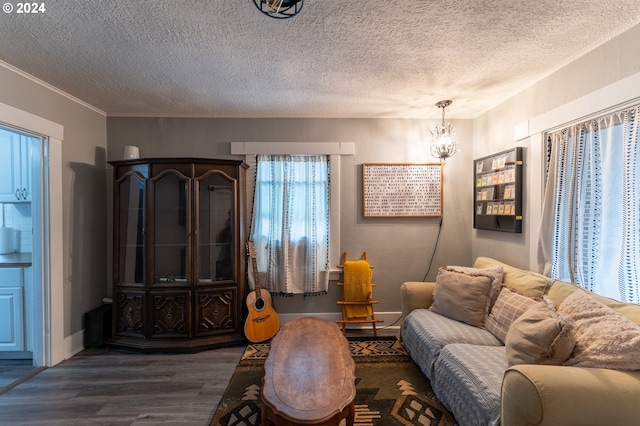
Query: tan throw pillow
[(604, 338), (494, 272), (525, 282), (509, 306), (461, 297), (539, 336)]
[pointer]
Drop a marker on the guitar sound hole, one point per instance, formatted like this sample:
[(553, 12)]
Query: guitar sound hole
[(259, 304)]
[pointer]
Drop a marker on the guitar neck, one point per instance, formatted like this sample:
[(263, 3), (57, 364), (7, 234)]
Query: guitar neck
[(256, 280)]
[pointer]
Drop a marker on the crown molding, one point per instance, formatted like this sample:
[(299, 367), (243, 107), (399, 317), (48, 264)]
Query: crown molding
[(48, 86)]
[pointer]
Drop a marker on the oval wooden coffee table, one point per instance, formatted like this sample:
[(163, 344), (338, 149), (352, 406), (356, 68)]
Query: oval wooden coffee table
[(308, 375)]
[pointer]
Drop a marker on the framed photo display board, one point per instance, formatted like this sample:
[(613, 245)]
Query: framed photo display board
[(497, 188), (402, 189)]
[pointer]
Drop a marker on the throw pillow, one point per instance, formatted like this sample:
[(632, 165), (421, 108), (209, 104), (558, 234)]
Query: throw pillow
[(604, 338), (539, 336), (509, 306), (461, 296), (525, 282), (494, 272)]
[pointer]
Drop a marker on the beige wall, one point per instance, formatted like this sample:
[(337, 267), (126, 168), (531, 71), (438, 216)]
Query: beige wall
[(399, 248), (83, 191), (494, 131)]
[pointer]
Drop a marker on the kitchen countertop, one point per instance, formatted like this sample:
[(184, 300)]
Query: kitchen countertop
[(15, 259)]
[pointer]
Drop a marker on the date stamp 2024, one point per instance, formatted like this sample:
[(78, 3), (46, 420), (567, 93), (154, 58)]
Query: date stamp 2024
[(24, 8)]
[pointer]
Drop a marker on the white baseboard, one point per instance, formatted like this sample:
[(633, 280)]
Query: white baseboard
[(74, 344), (391, 320)]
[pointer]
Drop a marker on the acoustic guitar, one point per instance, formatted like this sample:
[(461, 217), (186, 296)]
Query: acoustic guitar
[(262, 323)]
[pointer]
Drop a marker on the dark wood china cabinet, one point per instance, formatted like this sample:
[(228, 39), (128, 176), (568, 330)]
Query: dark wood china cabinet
[(179, 270)]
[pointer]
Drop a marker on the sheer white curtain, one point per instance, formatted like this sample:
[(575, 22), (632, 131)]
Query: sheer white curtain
[(590, 232), (290, 224)]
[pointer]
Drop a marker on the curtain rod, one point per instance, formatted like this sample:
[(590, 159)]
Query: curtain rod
[(618, 108)]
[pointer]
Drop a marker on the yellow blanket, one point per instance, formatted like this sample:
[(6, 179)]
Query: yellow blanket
[(357, 288)]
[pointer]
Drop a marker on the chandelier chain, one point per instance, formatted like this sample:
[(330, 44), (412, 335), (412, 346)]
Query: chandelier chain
[(444, 143)]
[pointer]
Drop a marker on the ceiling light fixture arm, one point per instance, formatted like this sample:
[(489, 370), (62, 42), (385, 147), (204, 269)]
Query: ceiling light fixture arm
[(279, 9)]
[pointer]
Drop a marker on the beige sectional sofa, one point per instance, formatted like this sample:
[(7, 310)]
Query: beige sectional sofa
[(525, 394)]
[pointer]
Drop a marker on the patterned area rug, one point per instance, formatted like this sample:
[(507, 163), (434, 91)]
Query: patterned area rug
[(390, 389)]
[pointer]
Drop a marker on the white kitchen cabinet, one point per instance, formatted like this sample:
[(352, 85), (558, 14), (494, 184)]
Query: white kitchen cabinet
[(15, 168), (12, 336)]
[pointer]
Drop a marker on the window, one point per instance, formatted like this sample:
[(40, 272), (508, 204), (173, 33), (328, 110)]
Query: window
[(591, 214), (290, 223), (336, 151)]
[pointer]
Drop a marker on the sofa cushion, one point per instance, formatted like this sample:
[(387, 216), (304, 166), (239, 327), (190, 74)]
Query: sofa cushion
[(425, 333), (494, 272), (540, 336), (468, 381), (461, 296), (508, 307), (525, 282), (561, 289), (604, 338)]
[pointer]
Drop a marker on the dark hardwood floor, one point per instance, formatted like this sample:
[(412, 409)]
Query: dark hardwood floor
[(15, 371), (110, 387)]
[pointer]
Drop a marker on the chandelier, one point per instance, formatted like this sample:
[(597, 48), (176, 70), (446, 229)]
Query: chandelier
[(443, 140), (279, 9)]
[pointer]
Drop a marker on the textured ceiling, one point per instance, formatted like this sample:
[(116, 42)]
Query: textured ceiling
[(337, 58)]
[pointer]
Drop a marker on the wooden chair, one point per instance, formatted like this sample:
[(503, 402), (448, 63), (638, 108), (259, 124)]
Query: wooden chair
[(371, 319)]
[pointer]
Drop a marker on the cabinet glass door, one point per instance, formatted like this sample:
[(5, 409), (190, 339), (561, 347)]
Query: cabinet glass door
[(171, 229), (131, 191), (216, 228)]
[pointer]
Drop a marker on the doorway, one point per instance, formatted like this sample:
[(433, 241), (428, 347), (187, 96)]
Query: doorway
[(21, 160), (43, 288)]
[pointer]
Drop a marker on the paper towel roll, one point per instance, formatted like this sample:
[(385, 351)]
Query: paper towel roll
[(7, 240)]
